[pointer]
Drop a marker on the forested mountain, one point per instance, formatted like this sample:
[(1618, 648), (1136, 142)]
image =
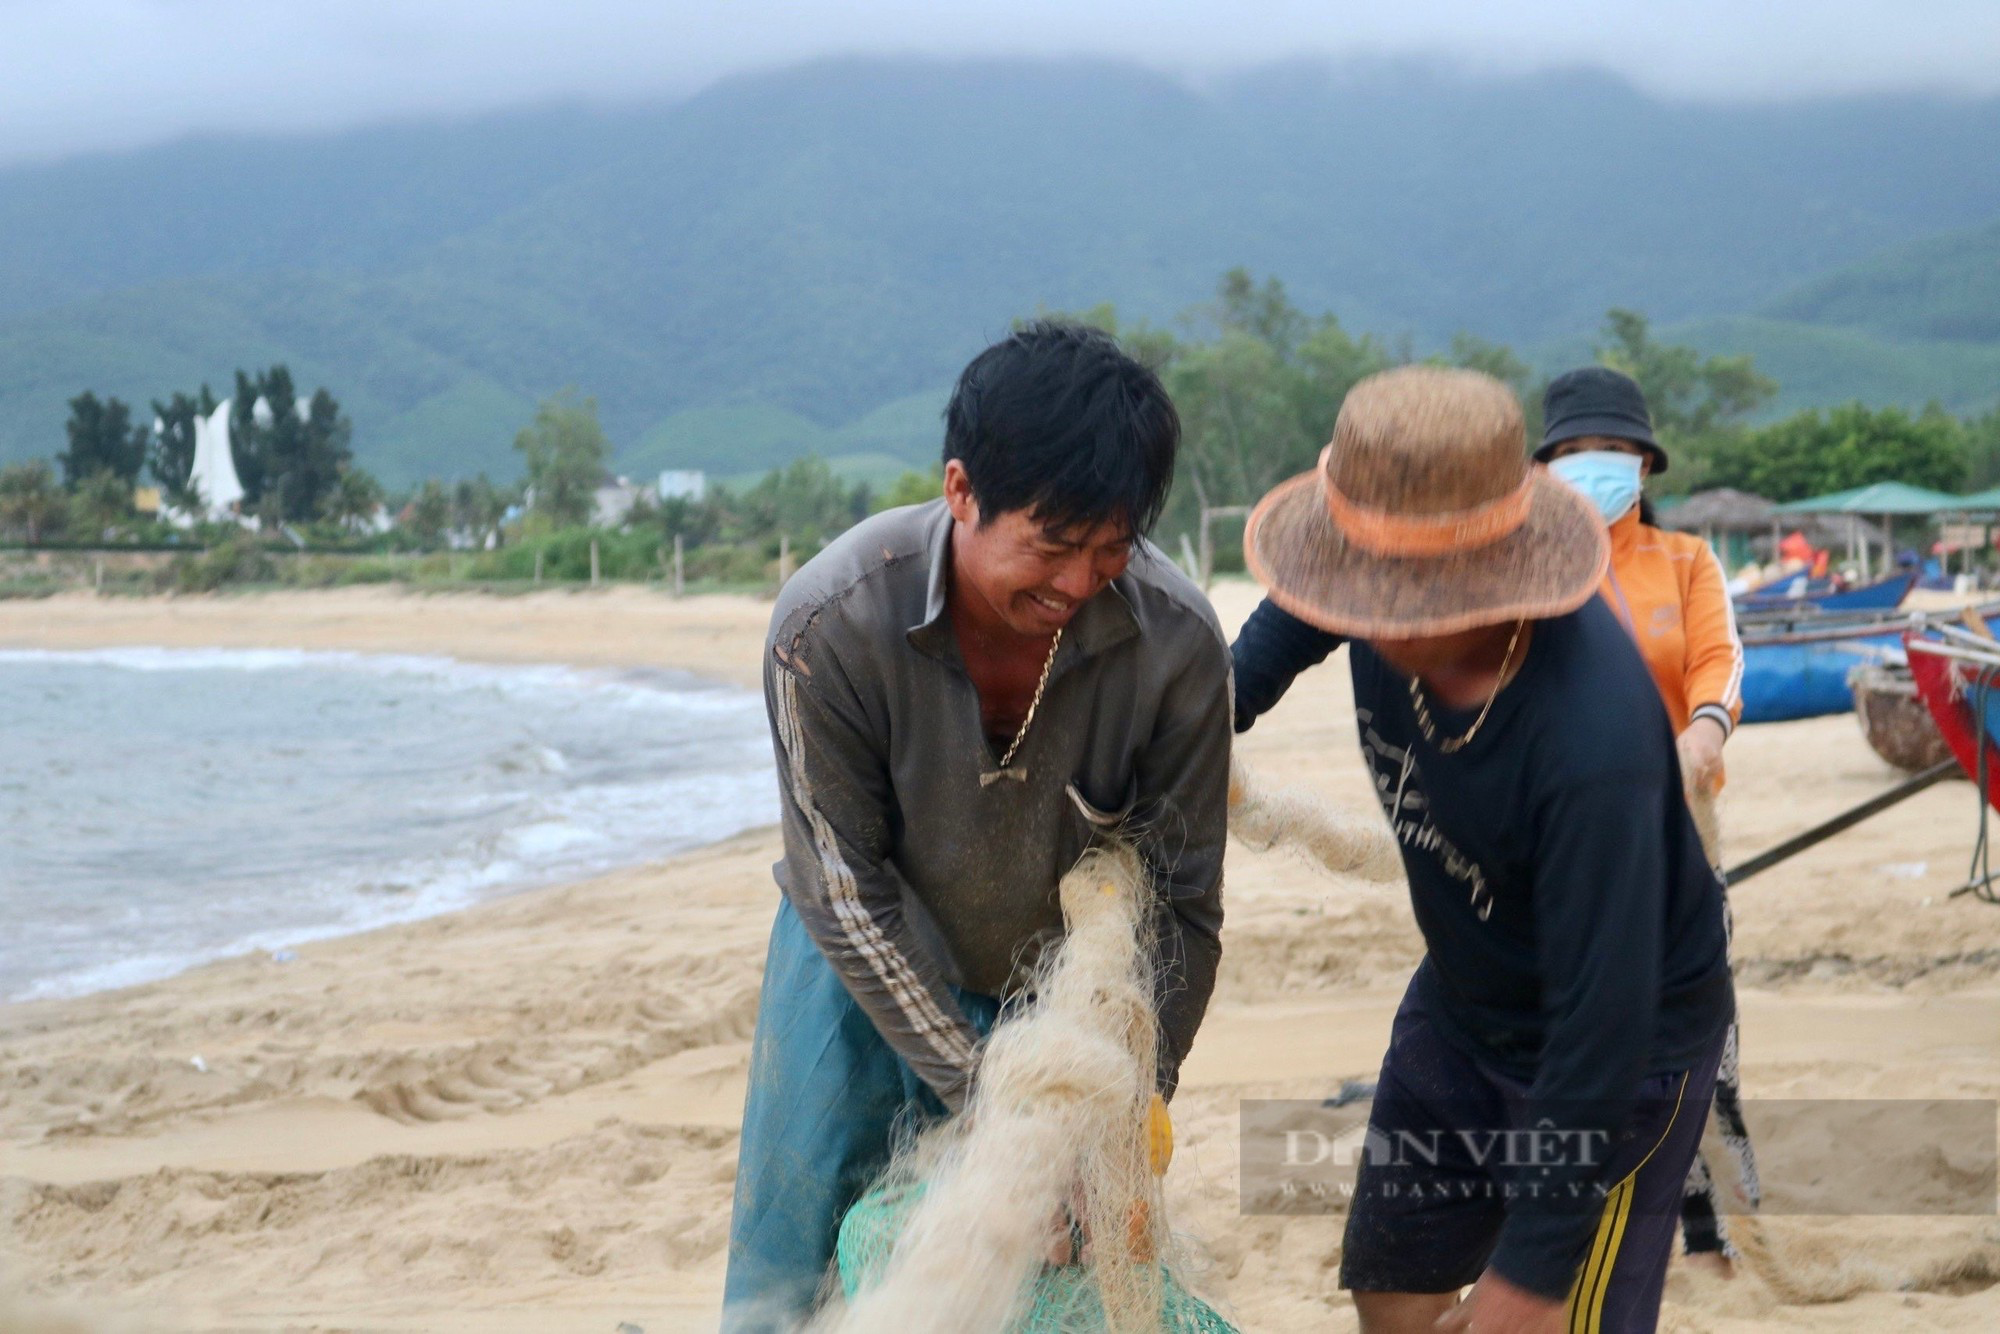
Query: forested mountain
[(1945, 288), (802, 259)]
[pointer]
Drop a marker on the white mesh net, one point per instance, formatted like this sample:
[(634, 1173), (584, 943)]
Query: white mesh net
[(957, 1236)]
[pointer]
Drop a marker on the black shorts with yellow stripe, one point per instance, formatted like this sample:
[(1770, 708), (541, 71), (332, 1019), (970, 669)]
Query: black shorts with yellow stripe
[(1434, 1184)]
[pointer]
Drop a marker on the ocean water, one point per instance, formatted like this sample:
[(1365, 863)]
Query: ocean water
[(160, 807)]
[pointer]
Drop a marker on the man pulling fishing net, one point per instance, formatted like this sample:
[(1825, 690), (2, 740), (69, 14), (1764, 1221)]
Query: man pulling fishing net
[(965, 696), (1552, 1063)]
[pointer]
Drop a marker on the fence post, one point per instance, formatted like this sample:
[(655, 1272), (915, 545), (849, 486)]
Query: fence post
[(784, 559), (1208, 514), (97, 577), (593, 562), (538, 567), (680, 567)]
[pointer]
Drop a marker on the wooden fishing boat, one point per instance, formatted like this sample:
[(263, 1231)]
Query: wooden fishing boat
[(1894, 717), (1957, 674), (1885, 594), (1798, 666), (1799, 669), (1798, 586)]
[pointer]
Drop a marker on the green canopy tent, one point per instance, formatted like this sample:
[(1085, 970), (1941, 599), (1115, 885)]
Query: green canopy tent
[(1978, 509), (1981, 502), (1884, 500)]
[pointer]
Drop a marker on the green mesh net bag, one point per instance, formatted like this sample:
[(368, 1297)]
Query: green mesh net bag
[(1064, 1300)]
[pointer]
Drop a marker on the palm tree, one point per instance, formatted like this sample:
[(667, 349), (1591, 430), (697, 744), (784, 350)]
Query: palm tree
[(101, 503), (428, 515), (30, 501), (354, 498)]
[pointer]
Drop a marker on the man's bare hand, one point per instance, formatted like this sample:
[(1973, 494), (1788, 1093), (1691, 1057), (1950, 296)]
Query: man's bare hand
[(1495, 1306)]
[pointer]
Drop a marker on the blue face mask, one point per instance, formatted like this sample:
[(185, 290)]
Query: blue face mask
[(1607, 479)]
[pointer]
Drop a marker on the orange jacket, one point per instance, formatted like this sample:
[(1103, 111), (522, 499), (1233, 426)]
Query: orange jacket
[(1669, 590)]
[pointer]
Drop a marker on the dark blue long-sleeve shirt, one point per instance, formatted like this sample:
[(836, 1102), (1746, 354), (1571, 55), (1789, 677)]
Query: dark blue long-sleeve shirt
[(1573, 924)]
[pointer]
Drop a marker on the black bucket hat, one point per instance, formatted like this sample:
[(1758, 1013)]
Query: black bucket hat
[(1596, 400)]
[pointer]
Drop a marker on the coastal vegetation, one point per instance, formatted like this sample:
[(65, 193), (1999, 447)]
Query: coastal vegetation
[(1256, 378)]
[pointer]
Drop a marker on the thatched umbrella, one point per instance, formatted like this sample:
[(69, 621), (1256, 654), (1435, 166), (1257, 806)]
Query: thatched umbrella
[(1723, 510)]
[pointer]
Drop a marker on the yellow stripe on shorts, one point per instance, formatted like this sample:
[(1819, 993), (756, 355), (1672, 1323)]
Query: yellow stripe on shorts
[(1593, 1280)]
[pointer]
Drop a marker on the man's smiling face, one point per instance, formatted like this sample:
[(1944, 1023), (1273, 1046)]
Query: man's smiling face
[(1029, 576)]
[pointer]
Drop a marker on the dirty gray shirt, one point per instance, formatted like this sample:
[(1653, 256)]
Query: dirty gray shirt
[(906, 869)]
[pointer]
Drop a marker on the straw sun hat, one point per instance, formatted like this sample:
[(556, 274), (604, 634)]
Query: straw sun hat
[(1425, 517)]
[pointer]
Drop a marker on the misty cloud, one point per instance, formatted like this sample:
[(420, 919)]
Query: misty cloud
[(88, 74)]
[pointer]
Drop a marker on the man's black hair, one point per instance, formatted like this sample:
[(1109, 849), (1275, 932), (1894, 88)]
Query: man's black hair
[(1056, 419)]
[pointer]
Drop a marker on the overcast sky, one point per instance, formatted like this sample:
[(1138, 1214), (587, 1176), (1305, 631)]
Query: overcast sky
[(87, 74)]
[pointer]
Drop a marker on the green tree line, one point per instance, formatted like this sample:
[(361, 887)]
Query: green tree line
[(293, 456), (1258, 383)]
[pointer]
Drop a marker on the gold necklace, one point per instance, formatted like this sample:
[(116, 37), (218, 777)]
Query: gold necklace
[(1451, 745), (1033, 704)]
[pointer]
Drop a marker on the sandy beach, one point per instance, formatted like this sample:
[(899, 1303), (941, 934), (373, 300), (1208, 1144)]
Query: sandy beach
[(523, 1116)]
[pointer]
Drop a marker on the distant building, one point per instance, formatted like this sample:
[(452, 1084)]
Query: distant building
[(683, 484), (381, 521), (614, 500)]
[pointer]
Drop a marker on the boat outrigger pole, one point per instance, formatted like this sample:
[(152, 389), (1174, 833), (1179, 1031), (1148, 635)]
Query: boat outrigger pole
[(1847, 819)]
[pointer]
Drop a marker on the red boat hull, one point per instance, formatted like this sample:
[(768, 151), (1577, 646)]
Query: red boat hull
[(1946, 685)]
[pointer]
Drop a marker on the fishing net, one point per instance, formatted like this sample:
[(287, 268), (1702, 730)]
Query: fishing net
[(955, 1237), (1707, 823), (1294, 817)]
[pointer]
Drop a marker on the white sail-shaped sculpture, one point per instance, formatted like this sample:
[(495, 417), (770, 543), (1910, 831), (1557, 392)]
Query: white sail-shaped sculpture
[(214, 476)]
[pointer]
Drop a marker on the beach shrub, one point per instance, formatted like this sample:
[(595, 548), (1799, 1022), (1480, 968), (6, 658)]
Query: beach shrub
[(367, 570), (236, 561), (565, 556), (730, 566), (31, 585), (338, 570)]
